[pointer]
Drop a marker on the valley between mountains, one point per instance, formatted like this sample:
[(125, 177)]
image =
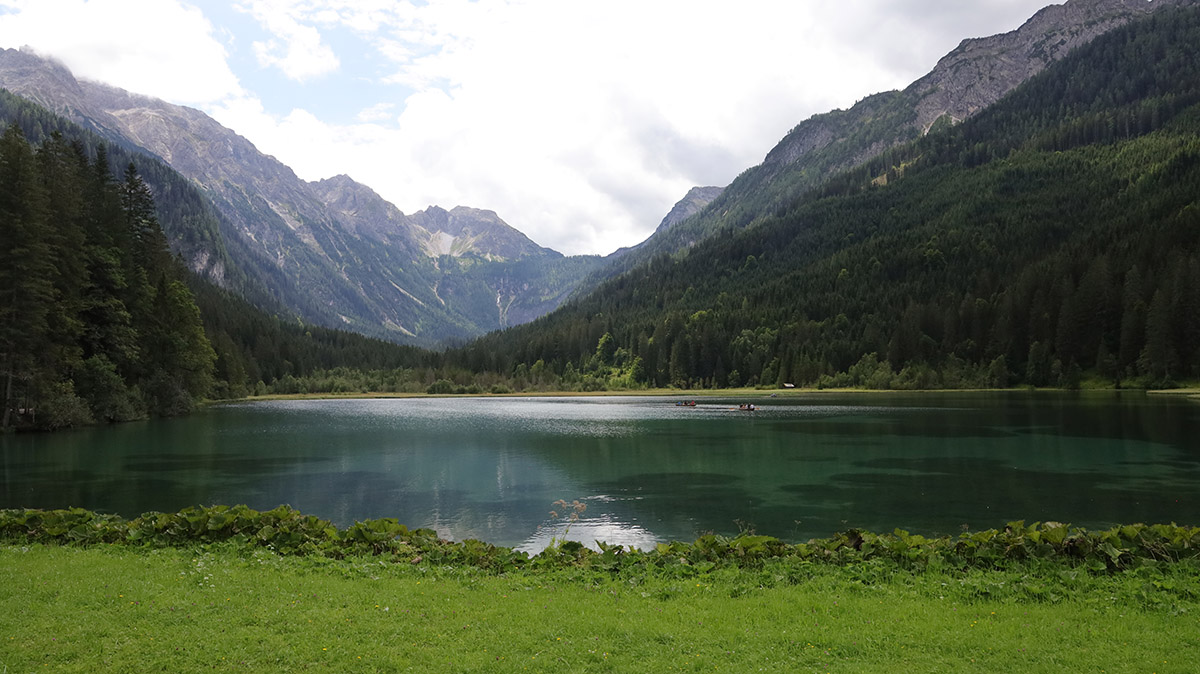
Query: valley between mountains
[(1022, 214)]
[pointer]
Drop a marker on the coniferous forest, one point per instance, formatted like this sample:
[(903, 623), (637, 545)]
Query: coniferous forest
[(96, 323), (1050, 240)]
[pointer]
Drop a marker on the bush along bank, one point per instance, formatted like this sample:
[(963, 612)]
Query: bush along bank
[(289, 532)]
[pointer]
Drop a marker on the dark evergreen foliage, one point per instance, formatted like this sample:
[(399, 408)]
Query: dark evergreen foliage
[(192, 227), (97, 325), (258, 353)]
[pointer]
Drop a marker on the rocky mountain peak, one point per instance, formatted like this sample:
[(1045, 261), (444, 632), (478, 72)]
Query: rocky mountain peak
[(365, 214), (472, 231), (333, 250), (42, 74), (981, 70), (692, 203), (970, 78)]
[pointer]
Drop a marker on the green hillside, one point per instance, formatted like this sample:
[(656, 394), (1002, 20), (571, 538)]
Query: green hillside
[(1053, 234)]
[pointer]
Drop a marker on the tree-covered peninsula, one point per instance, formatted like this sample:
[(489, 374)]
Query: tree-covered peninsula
[(96, 322)]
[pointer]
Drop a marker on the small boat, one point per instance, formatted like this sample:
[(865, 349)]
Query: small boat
[(685, 403), (746, 407)]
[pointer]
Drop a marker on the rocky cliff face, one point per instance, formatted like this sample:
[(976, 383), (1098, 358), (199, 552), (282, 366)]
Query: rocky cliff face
[(333, 251), (363, 212), (980, 71), (692, 203), (472, 231), (970, 78)]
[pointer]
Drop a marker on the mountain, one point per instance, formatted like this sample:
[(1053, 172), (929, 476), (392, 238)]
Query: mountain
[(692, 203), (334, 253), (88, 247), (331, 252), (471, 231), (966, 81), (1053, 234)]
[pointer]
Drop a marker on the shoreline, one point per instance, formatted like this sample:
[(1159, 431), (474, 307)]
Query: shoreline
[(1191, 392)]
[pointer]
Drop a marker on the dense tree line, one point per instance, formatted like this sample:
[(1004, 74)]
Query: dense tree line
[(262, 353), (1051, 237), (96, 322)]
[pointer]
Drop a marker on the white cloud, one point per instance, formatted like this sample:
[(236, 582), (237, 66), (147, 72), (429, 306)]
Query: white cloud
[(296, 49), (379, 112), (629, 104), (579, 123), (909, 36), (162, 48)]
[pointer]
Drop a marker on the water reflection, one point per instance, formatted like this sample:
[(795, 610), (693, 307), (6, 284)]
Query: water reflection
[(649, 471), (590, 532)]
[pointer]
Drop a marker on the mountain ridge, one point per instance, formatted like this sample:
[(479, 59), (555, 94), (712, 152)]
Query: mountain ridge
[(692, 203), (1051, 235), (337, 254), (333, 251), (965, 81)]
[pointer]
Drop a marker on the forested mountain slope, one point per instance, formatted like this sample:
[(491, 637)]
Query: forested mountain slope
[(331, 252), (964, 82), (58, 257), (1053, 233)]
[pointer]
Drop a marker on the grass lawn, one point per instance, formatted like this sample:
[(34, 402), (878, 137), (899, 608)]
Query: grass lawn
[(122, 609)]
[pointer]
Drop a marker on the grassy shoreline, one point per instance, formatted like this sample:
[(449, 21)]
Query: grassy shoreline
[(116, 608), (232, 589)]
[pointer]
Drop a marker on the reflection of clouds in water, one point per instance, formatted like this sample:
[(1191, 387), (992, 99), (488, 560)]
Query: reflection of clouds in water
[(595, 429), (588, 532), (799, 411), (490, 468), (607, 417), (567, 414), (577, 417)]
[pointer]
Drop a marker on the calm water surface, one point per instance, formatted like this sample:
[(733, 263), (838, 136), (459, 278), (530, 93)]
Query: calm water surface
[(647, 470)]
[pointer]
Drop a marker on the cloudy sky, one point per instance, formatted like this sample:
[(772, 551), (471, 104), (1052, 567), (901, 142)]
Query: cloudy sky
[(580, 122)]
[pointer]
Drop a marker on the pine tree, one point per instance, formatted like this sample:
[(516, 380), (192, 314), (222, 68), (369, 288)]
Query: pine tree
[(26, 270), (1133, 321), (180, 358), (149, 244), (1160, 358), (109, 332), (60, 167)]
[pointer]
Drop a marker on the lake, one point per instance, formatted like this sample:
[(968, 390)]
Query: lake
[(490, 468)]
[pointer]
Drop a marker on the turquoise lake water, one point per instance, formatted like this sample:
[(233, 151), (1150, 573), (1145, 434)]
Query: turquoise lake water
[(799, 467)]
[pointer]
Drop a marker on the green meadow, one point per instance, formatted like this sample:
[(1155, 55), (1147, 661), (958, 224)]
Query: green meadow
[(228, 607)]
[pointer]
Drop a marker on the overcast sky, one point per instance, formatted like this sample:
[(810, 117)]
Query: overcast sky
[(579, 122)]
